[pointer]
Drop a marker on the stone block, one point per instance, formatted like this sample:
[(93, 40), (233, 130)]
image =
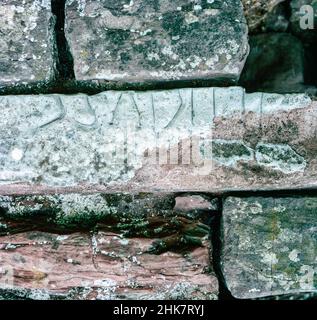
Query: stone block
[(203, 139), (269, 246), (102, 247), (154, 41), (27, 43)]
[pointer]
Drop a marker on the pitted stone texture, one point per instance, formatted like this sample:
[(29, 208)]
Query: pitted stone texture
[(269, 246), (63, 209), (27, 43), (145, 40), (200, 139)]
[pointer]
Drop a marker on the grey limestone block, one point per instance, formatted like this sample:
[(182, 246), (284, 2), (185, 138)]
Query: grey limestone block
[(145, 40), (270, 246), (27, 43)]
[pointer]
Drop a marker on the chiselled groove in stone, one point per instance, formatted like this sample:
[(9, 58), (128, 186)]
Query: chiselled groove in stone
[(93, 247), (180, 109), (136, 109), (261, 104), (125, 151), (166, 126), (153, 111), (192, 106), (115, 109), (90, 111), (214, 102), (61, 115), (244, 111)]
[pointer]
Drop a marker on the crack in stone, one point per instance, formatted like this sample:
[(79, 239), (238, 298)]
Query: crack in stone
[(65, 63), (216, 237)]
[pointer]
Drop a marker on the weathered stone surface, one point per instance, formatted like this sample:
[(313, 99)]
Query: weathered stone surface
[(307, 296), (106, 266), (73, 210), (275, 64), (103, 247), (259, 15), (27, 43), (200, 139), (145, 40), (270, 246)]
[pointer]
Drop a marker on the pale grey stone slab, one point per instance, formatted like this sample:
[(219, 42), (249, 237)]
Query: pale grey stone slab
[(269, 246), (145, 40), (27, 42), (187, 139)]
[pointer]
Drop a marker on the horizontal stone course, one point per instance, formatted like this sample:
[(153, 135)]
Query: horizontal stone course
[(203, 139), (101, 247)]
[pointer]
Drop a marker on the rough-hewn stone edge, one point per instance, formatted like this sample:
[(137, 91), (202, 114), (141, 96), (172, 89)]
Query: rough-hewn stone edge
[(57, 86), (292, 296), (280, 295), (25, 189), (118, 212)]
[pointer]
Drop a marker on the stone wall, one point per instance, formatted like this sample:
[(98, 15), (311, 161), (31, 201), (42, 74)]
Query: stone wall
[(156, 150)]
